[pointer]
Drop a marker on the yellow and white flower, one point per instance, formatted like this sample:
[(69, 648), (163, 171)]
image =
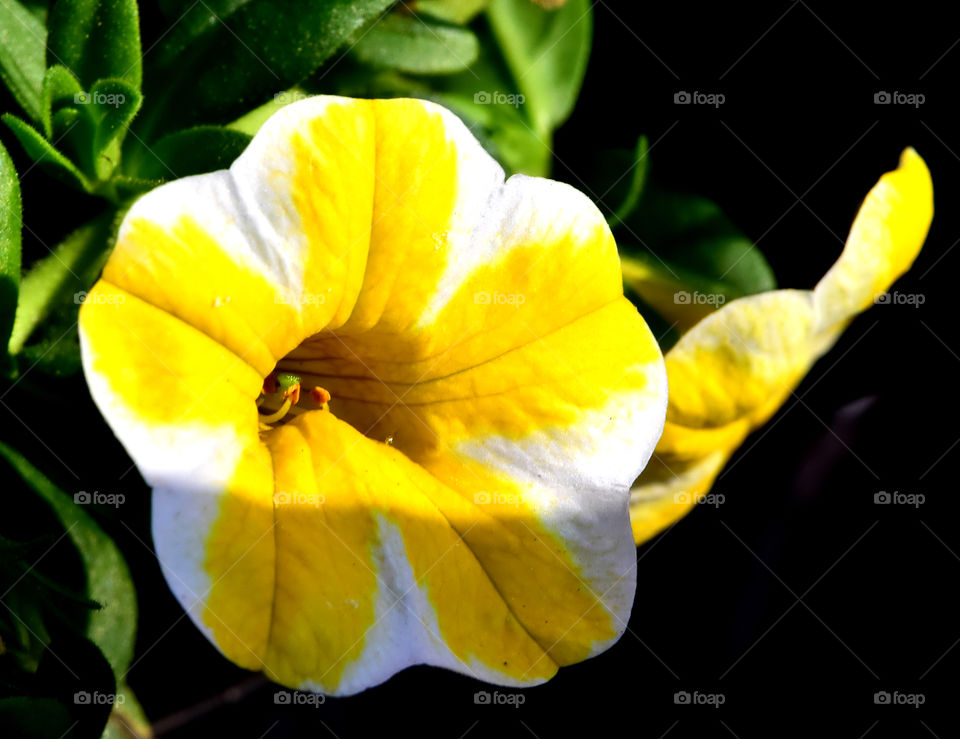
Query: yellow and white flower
[(737, 366), (475, 398)]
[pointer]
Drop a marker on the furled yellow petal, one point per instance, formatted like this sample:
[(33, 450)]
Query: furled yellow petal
[(736, 367), (886, 237), (463, 502)]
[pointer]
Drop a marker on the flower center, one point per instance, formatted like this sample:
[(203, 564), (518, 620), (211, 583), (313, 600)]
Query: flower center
[(281, 395)]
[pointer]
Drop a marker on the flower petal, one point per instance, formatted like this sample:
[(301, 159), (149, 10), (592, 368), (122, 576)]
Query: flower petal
[(886, 237), (373, 248), (735, 368)]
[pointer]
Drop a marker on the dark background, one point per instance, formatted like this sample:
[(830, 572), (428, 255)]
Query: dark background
[(797, 599)]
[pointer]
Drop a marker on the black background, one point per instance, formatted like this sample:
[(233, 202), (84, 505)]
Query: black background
[(799, 598)]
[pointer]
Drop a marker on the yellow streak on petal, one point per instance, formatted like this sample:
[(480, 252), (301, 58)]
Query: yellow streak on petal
[(415, 190), (184, 271), (332, 186)]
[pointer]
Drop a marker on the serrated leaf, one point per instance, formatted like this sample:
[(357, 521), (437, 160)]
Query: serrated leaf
[(10, 225), (23, 39), (113, 627), (96, 39), (225, 57), (43, 152), (546, 52), (193, 151), (409, 44)]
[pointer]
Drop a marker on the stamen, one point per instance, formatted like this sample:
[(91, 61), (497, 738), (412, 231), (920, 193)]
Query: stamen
[(320, 396), (280, 413)]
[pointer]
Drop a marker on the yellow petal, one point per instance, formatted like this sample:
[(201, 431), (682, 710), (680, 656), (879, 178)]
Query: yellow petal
[(373, 248), (886, 237), (736, 367)]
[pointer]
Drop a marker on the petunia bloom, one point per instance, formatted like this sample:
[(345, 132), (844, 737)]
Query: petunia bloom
[(732, 371), (390, 405)]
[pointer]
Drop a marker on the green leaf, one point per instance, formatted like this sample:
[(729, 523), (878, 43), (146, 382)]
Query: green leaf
[(96, 39), (76, 672), (408, 44), (59, 279), (114, 104), (60, 88), (546, 52), (628, 187), (43, 152), (193, 151), (224, 57), (129, 188), (484, 97), (686, 258), (451, 11), (10, 225), (34, 718), (113, 627), (23, 39)]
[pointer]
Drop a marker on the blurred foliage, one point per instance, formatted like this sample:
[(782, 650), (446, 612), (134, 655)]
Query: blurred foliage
[(106, 117)]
